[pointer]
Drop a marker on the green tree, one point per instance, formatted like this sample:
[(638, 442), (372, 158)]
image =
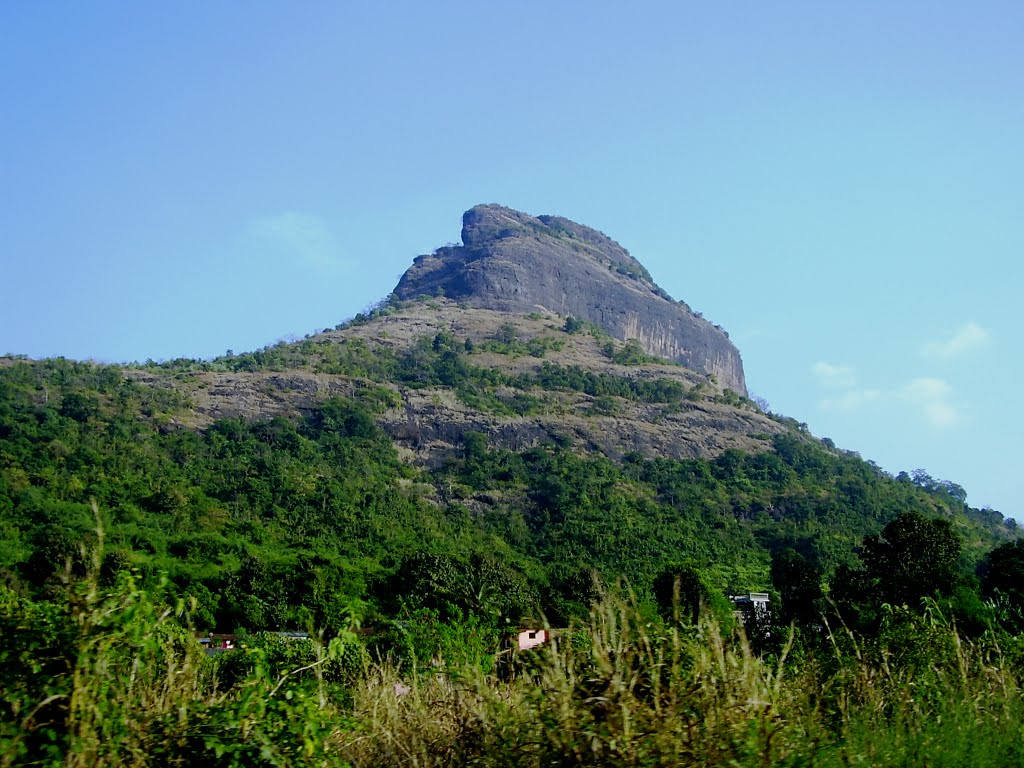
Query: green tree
[(1002, 578), (506, 334), (684, 592), (913, 557), (798, 581)]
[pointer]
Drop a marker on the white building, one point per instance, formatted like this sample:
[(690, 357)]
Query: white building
[(750, 605)]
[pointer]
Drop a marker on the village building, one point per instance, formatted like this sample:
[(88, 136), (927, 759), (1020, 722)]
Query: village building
[(750, 607), (531, 638)]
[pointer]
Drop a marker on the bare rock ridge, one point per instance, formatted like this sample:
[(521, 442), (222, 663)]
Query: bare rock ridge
[(513, 262)]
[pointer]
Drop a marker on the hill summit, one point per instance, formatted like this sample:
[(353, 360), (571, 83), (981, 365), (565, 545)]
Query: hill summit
[(513, 262)]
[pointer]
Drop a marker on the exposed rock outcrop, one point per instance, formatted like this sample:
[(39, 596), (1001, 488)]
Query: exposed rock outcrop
[(510, 261)]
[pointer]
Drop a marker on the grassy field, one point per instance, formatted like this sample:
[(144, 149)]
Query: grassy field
[(112, 679)]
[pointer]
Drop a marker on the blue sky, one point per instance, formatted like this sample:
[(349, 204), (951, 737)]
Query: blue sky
[(839, 185)]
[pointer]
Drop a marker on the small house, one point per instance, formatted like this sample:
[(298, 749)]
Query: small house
[(531, 638), (750, 606), (215, 643)]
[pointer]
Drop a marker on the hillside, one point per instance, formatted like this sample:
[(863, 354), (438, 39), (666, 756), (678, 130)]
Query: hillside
[(520, 379), (517, 451)]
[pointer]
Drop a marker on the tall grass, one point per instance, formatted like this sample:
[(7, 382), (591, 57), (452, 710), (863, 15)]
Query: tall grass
[(112, 679), (628, 692)]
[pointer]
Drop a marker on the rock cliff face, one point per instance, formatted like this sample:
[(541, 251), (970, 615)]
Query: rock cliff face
[(510, 261)]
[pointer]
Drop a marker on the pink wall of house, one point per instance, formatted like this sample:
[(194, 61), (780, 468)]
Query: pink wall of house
[(531, 638)]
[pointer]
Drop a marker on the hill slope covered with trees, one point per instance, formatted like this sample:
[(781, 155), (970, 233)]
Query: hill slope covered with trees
[(413, 486), (279, 521)]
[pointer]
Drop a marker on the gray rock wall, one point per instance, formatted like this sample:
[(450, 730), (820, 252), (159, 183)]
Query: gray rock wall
[(513, 262)]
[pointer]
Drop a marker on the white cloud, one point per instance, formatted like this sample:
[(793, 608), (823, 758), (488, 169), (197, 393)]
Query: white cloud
[(842, 380), (932, 398), (967, 337), (834, 376), (853, 399), (302, 237)]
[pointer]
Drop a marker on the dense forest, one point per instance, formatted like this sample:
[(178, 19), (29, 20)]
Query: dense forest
[(123, 533), (283, 524)]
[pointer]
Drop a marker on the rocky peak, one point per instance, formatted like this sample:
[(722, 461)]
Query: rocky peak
[(511, 261)]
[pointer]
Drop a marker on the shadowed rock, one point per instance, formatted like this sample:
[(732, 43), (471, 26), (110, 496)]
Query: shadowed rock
[(513, 262)]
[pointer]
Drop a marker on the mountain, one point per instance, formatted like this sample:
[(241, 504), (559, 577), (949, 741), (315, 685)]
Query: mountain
[(526, 409), (521, 379), (512, 262), (553, 331)]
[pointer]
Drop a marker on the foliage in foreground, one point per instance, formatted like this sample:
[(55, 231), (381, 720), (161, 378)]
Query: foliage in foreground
[(109, 677)]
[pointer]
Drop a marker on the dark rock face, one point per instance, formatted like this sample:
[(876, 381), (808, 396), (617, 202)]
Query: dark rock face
[(513, 262)]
